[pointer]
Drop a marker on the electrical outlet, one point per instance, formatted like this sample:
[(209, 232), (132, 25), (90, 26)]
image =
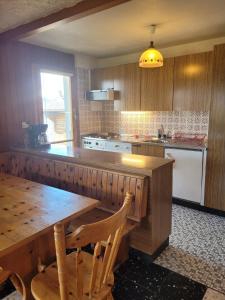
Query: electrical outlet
[(25, 125)]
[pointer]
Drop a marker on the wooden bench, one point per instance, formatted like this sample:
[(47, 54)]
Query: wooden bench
[(105, 185)]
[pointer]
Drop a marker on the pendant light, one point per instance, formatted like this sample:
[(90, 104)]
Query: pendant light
[(151, 58)]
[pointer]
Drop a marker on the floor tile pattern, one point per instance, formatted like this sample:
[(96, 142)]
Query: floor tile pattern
[(139, 280), (197, 247), (213, 295)]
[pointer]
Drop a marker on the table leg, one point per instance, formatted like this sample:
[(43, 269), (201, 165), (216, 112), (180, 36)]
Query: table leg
[(24, 261)]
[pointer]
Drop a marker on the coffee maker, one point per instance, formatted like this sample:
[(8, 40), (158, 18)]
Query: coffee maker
[(36, 135)]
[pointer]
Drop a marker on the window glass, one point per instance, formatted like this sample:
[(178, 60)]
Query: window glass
[(57, 110)]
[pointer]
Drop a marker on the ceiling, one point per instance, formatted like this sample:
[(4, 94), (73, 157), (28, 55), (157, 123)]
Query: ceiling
[(17, 12), (125, 28)]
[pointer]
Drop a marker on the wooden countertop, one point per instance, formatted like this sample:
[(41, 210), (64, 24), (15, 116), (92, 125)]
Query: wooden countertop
[(136, 164)]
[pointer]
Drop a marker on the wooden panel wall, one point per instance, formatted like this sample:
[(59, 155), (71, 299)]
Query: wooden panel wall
[(20, 96), (107, 186), (215, 173)]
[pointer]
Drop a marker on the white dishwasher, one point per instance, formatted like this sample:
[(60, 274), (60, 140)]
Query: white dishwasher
[(188, 173)]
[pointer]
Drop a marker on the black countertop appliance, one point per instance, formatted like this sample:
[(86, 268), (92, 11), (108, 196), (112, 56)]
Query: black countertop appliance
[(36, 135)]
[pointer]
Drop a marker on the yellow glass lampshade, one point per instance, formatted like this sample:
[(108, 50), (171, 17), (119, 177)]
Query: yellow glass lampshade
[(151, 58)]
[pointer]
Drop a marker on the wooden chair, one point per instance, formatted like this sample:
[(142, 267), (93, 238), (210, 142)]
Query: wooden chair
[(15, 279), (80, 275)]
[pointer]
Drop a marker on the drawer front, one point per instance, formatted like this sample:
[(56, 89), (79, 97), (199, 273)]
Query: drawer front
[(148, 150)]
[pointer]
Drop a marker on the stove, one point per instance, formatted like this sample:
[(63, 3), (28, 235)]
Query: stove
[(105, 142)]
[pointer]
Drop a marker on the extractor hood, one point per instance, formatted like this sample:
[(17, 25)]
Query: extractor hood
[(102, 95)]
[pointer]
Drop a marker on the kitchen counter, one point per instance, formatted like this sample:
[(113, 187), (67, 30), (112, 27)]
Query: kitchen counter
[(171, 143), (136, 164)]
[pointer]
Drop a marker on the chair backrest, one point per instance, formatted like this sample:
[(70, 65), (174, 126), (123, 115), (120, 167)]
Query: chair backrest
[(106, 235)]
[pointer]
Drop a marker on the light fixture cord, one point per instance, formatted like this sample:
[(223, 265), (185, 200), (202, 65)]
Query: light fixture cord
[(152, 32)]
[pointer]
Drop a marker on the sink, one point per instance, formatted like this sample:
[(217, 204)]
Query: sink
[(157, 141)]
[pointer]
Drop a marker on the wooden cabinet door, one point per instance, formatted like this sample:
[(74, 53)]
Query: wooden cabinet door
[(148, 150), (127, 82), (215, 170), (192, 82), (157, 87), (102, 79)]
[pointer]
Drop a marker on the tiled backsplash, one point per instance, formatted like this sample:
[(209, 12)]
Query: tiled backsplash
[(142, 123), (90, 121), (147, 123)]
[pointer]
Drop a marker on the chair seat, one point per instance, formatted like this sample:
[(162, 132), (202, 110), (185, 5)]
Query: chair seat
[(45, 285)]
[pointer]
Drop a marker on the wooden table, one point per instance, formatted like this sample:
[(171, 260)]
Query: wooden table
[(28, 212)]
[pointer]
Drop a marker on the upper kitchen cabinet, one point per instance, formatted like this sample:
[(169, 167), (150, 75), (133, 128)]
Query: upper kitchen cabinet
[(127, 82), (157, 87), (192, 82), (102, 79)]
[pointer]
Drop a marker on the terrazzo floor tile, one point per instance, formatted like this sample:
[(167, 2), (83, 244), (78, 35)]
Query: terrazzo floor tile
[(197, 247), (137, 280), (213, 295)]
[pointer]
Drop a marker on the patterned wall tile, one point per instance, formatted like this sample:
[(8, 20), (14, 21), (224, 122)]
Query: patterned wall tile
[(147, 123), (90, 121)]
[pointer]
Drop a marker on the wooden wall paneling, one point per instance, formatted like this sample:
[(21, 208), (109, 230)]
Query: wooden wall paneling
[(46, 171), (94, 184), (104, 188), (89, 182), (4, 162), (157, 87), (70, 177), (215, 170), (109, 200), (99, 185), (127, 81), (84, 184), (4, 143), (192, 82), (132, 189), (120, 191), (107, 186), (20, 99), (80, 180), (60, 173)]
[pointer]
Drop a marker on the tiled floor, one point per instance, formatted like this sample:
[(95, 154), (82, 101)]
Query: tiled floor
[(197, 247), (194, 261), (138, 280)]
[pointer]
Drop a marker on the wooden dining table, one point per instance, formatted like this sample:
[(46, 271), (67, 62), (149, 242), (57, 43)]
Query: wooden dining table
[(28, 212)]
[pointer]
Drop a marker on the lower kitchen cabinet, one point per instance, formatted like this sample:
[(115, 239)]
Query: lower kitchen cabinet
[(148, 150)]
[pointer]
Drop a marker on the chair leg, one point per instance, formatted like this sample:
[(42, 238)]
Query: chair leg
[(110, 297)]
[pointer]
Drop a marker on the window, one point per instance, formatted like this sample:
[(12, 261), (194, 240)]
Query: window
[(57, 109)]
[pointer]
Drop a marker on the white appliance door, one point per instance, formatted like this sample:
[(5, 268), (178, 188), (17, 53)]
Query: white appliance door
[(187, 173)]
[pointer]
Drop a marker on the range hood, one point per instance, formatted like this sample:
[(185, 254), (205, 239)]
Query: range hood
[(102, 95)]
